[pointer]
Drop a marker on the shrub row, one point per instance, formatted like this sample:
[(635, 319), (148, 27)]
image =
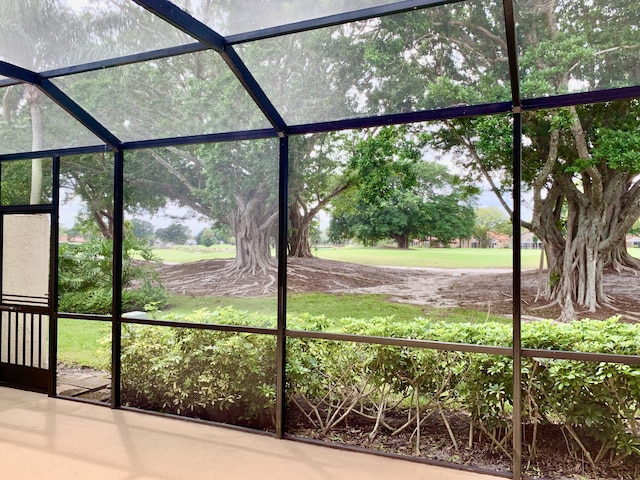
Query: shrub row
[(230, 377), (220, 376)]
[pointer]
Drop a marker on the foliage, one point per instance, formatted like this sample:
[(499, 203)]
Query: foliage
[(86, 273), (142, 229), (396, 195), (175, 233), (490, 220), (594, 404), (224, 376), (449, 218), (206, 237), (220, 376), (218, 234), (16, 182)]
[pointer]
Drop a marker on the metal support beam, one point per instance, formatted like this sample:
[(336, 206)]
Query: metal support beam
[(180, 19), (59, 97), (252, 87), (18, 73), (512, 54), (118, 234), (281, 338), (337, 19), (126, 60), (53, 277), (512, 51), (402, 118), (582, 98), (80, 114), (517, 293), (59, 152), (201, 32), (198, 139)]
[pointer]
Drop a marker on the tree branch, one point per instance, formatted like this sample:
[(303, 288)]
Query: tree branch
[(584, 153), (183, 180)]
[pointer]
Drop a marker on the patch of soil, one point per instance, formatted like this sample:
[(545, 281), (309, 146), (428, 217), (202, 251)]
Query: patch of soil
[(489, 290), (552, 459)]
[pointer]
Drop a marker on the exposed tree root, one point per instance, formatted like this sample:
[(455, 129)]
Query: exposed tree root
[(427, 287)]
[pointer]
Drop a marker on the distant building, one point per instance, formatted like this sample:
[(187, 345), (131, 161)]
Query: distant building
[(500, 240), (528, 241), (633, 241), (64, 238)]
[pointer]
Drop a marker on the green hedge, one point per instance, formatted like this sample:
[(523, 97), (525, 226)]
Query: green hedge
[(230, 377), (221, 376)]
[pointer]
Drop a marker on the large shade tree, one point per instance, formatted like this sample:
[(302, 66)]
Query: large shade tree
[(395, 194), (315, 179), (581, 163), (234, 184)]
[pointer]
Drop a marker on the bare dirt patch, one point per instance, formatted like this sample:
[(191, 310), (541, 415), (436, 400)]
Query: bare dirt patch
[(489, 290)]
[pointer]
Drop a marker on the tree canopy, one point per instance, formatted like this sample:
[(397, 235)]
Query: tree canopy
[(581, 163), (395, 194), (490, 220), (175, 233)]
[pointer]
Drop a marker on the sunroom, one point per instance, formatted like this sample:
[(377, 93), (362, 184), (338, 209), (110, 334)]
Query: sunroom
[(260, 214)]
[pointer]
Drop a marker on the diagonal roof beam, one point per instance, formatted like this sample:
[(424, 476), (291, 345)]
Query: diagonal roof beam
[(252, 86), (59, 97), (180, 19), (18, 73), (512, 53), (79, 113), (337, 19)]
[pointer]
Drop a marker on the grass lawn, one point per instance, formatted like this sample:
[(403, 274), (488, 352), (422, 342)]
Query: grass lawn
[(315, 304), (81, 343), (193, 254), (301, 309), (381, 256), (430, 257)]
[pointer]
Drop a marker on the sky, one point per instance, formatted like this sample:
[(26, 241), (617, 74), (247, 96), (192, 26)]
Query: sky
[(71, 207)]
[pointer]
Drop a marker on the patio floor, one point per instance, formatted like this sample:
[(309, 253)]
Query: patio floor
[(42, 437)]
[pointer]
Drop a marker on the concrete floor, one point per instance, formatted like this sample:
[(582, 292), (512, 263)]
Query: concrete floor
[(45, 438)]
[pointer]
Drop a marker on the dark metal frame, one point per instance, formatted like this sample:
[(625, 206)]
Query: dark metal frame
[(208, 39)]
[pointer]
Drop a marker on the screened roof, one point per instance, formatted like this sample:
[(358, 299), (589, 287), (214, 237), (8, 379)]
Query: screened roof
[(135, 73)]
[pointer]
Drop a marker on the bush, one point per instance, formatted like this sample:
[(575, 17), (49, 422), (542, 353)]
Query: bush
[(230, 377), (221, 376), (86, 273)]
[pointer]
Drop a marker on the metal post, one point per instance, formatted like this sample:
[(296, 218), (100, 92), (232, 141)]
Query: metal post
[(53, 280), (517, 290), (512, 53), (281, 339), (118, 231)]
